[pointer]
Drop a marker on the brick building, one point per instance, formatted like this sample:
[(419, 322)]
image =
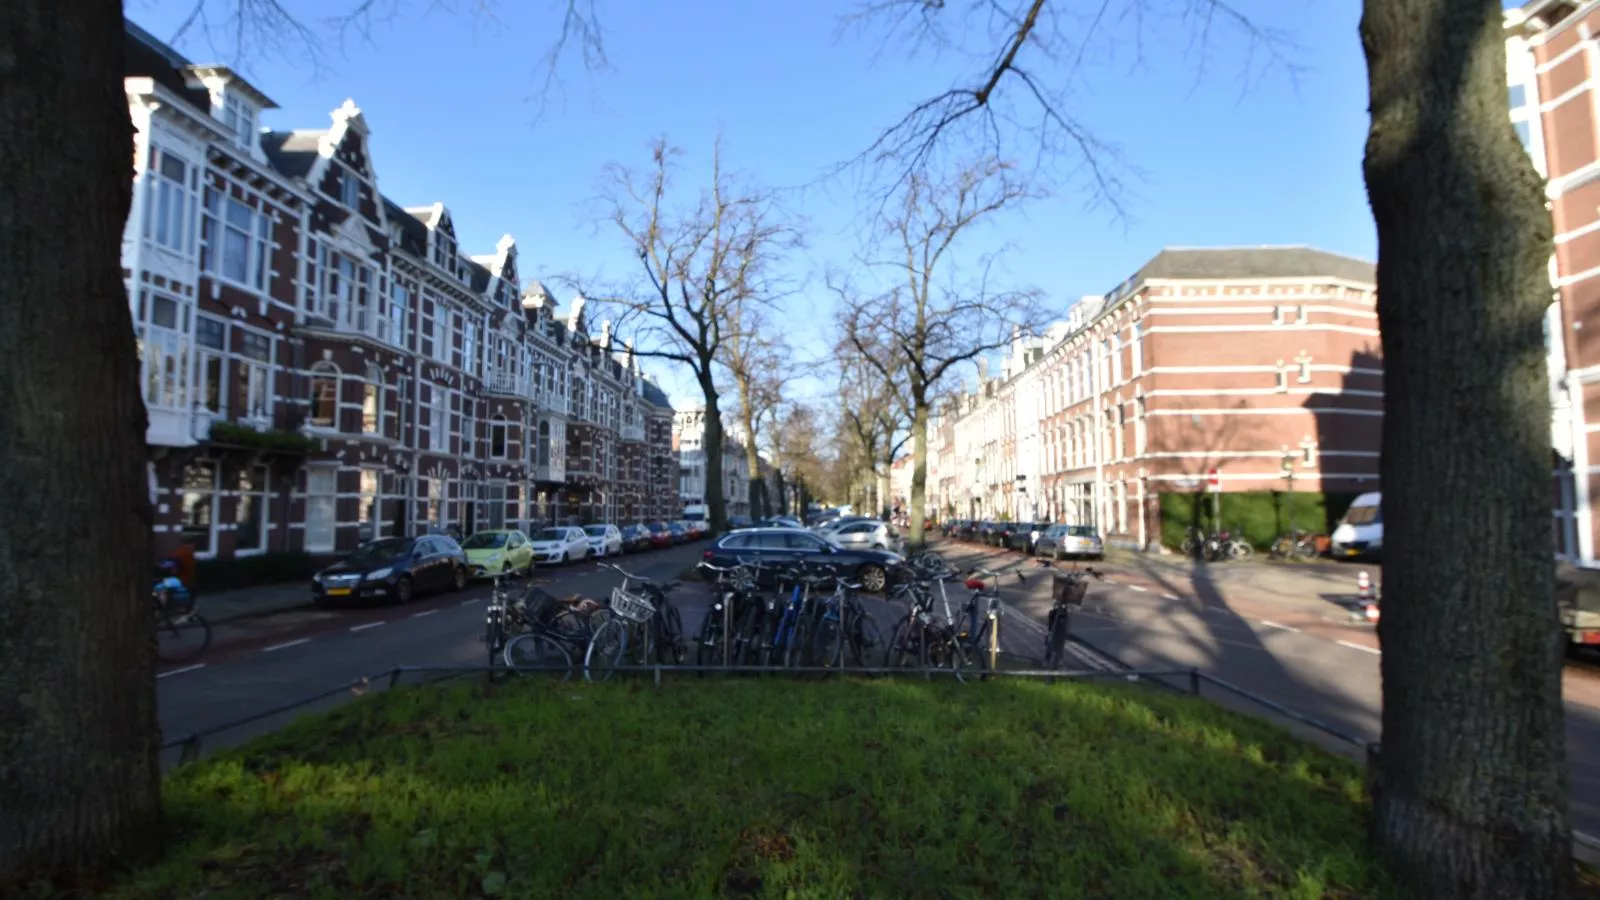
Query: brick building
[(322, 365), (1552, 62), (1244, 364)]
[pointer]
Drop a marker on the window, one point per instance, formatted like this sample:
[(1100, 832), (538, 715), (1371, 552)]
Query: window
[(321, 504), (469, 347), (238, 117), (164, 353), (171, 205), (494, 506), (253, 374), (435, 511), (441, 332), (250, 516), (1308, 453), (369, 511), (1305, 369), (199, 506), (325, 395), (427, 341), (399, 304), (1136, 345), (544, 443), (497, 438), (1518, 95), (1116, 359), (236, 241), (439, 421), (211, 344), (372, 401), (1283, 378), (350, 189), (1138, 426), (1278, 317), (468, 425), (1300, 316)]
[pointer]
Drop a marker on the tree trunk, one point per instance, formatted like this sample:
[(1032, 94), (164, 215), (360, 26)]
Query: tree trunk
[(78, 735), (716, 502), (919, 468), (1471, 794)]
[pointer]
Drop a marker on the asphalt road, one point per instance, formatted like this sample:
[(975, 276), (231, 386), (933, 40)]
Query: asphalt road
[(1301, 652)]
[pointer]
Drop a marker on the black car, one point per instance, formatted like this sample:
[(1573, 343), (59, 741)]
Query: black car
[(783, 546), (393, 570), (635, 538), (1025, 535)]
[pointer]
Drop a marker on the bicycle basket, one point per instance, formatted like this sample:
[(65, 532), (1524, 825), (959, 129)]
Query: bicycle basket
[(539, 605), (632, 607), (1069, 590)]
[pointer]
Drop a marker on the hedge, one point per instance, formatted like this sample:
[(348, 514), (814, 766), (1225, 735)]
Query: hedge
[(1257, 516), (253, 571)]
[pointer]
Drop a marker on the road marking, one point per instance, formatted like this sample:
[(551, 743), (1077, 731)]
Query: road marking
[(426, 612), (472, 601), (285, 645), (1359, 647), (368, 625), (1170, 597), (180, 671), (1135, 587), (1271, 624)]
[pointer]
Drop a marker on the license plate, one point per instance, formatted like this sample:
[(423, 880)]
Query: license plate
[(338, 592)]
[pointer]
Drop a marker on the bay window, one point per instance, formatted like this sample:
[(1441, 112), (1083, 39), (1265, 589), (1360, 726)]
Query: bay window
[(250, 515), (236, 241), (169, 209), (164, 352), (544, 443)]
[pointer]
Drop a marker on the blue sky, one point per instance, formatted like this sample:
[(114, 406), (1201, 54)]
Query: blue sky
[(452, 101)]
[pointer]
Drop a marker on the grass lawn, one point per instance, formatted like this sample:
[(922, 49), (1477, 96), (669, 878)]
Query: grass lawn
[(768, 787)]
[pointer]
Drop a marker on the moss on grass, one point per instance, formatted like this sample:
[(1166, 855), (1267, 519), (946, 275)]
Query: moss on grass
[(768, 787)]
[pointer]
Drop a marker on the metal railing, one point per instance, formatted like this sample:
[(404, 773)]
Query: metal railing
[(505, 382), (1191, 680)]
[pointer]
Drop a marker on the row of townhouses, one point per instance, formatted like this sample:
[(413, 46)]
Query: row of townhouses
[(688, 438), (322, 365), (1228, 370)]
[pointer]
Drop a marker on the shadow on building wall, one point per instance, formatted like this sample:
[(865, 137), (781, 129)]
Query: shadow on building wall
[(1348, 423)]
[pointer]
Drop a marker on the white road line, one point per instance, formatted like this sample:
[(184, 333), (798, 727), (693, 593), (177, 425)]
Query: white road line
[(1170, 597), (426, 612), (368, 625), (180, 671), (286, 644), (1135, 587), (472, 601), (1271, 624), (1359, 647)]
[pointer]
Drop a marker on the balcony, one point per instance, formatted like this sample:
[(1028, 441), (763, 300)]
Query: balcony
[(551, 402), (278, 432), (507, 383), (632, 432)]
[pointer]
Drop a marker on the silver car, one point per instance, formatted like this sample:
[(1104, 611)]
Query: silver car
[(863, 534), (1070, 541)]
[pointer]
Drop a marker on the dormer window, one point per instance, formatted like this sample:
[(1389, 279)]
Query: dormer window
[(238, 116)]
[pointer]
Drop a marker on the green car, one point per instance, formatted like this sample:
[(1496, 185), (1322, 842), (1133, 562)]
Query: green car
[(491, 553)]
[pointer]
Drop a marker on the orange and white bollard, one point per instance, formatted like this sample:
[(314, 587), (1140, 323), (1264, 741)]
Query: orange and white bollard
[(1369, 603)]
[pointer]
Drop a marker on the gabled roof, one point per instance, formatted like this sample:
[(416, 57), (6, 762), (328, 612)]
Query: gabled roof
[(292, 152), (413, 234), (148, 57), (655, 396)]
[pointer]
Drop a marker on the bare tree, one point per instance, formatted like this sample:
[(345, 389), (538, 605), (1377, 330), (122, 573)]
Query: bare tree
[(758, 362), (707, 267), (934, 317), (872, 405), (1471, 800), (79, 782)]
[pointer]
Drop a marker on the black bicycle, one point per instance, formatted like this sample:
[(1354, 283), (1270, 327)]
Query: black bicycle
[(1067, 592)]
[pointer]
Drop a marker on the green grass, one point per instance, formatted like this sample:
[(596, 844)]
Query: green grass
[(768, 788)]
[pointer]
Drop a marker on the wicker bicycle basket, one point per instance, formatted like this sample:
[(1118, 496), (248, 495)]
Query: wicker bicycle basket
[(633, 607), (1069, 590)]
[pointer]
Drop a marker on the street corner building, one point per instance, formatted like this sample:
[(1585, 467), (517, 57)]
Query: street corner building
[(322, 365), (1232, 386)]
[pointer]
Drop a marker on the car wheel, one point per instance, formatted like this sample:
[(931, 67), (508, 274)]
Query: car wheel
[(460, 582), (402, 590), (565, 558), (873, 579), (878, 547)]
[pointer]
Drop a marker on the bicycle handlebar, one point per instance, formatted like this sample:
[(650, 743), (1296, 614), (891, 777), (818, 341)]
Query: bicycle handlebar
[(624, 572)]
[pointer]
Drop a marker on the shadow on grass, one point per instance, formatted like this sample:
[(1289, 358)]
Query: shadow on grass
[(770, 788)]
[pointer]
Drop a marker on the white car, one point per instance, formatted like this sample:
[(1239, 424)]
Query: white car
[(604, 540), (559, 544)]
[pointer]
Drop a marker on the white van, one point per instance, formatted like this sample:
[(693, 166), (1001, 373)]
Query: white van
[(1360, 532)]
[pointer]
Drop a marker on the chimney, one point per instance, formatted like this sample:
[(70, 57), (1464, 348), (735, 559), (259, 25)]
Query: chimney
[(605, 335), (576, 316)]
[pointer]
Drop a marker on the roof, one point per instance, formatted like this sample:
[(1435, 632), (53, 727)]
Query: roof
[(150, 58), (1228, 263), (413, 234), (655, 396), (292, 152)]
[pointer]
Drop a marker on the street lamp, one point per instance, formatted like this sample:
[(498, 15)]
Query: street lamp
[(1288, 473)]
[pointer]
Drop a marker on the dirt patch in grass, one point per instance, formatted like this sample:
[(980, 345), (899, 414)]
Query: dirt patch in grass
[(769, 788)]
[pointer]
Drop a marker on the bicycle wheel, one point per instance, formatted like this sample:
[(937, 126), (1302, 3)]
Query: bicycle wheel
[(865, 639), (900, 650), (1241, 550), (1055, 639), (1306, 550), (181, 638), (607, 650), (709, 645), (979, 648), (540, 652), (494, 635), (794, 652), (827, 643)]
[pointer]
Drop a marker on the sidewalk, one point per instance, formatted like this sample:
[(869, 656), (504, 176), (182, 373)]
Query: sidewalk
[(254, 602)]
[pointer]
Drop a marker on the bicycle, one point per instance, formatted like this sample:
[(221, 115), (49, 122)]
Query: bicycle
[(642, 627), (920, 636), (983, 641), (182, 634), (549, 630), (716, 640), (1068, 591), (1297, 544)]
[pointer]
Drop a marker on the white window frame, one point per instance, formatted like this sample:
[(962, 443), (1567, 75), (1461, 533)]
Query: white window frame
[(211, 495), (164, 354), (369, 506), (1305, 370), (238, 117), (324, 372), (466, 425), (170, 210), (498, 423), (439, 420), (350, 188), (261, 493), (206, 356), (399, 306), (376, 417), (226, 217), (1136, 345), (322, 502)]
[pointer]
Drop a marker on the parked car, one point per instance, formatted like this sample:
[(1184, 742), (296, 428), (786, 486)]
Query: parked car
[(680, 532), (864, 535), (984, 533), (779, 546), (490, 553), (740, 522), (635, 538), (559, 544), (1024, 535), (393, 570), (1070, 542), (660, 534), (604, 540), (780, 522)]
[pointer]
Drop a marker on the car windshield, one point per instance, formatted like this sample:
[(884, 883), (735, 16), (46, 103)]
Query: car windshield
[(388, 548), (485, 540), (656, 526), (1364, 515), (551, 534), (1081, 530), (595, 531)]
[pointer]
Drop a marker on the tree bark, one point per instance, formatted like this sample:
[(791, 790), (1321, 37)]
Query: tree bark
[(716, 501), (1471, 793), (78, 734), (919, 468)]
